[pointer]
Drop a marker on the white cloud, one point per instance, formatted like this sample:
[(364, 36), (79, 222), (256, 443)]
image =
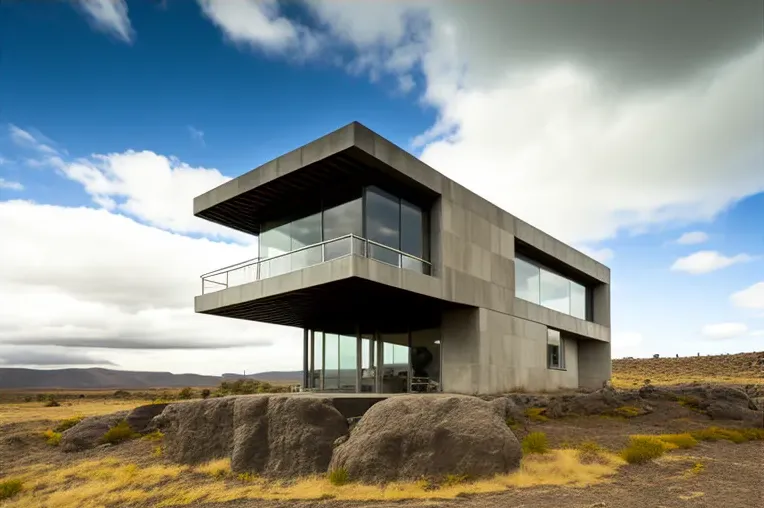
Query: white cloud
[(25, 139), (53, 357), (196, 134), (7, 184), (707, 261), (692, 238), (109, 16), (627, 344), (82, 277), (259, 24), (749, 298), (757, 333), (720, 331), (602, 255)]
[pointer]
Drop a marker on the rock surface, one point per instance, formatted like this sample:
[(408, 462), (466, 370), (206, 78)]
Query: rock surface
[(414, 436), (88, 433), (606, 401), (139, 418), (197, 431), (285, 437), (269, 435)]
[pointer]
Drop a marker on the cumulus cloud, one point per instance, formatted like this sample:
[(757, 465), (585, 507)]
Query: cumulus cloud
[(751, 297), (91, 278), (692, 238), (109, 16), (10, 185), (627, 344), (587, 120), (21, 356), (707, 261), (721, 331)]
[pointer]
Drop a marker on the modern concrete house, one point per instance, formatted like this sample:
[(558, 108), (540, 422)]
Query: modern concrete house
[(402, 279)]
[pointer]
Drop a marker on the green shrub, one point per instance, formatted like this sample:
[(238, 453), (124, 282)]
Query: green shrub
[(454, 479), (52, 437), (339, 476), (9, 488), (206, 393), (645, 448), (535, 442), (119, 433), (186, 393), (513, 424), (122, 394), (680, 440), (536, 414), (157, 435), (68, 423), (689, 402)]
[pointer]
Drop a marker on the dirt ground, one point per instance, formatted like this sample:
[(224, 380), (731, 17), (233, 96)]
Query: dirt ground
[(713, 474)]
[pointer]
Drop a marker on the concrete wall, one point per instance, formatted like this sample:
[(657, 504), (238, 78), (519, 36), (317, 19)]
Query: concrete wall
[(594, 363), (485, 351)]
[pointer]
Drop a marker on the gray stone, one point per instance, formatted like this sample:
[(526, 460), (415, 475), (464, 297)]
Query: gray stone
[(139, 418), (87, 434), (410, 437)]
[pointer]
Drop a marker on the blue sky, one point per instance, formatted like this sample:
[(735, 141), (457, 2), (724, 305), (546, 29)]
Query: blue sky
[(114, 115)]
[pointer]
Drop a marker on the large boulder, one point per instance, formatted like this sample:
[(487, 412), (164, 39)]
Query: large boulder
[(139, 418), (414, 436), (88, 433), (285, 437), (277, 436), (721, 410), (197, 431)]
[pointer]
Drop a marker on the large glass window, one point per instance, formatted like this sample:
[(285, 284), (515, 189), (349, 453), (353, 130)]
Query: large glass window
[(577, 300), (306, 231), (412, 236), (555, 350), (348, 356), (275, 240), (543, 287), (339, 221), (527, 281), (555, 292), (383, 221), (331, 361)]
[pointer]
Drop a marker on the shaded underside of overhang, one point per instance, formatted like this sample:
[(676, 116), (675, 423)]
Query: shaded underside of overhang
[(341, 306), (291, 194)]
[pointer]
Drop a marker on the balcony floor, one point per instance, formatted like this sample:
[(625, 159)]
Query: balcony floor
[(341, 306)]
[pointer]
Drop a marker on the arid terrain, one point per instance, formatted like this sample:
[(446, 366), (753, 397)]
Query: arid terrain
[(568, 459)]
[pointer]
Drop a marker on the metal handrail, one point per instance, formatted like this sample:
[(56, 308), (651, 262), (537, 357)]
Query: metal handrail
[(259, 261)]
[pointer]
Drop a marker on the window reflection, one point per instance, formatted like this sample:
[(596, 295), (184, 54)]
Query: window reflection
[(543, 287), (383, 218), (331, 361), (339, 221), (304, 232), (555, 292), (527, 281), (577, 300)]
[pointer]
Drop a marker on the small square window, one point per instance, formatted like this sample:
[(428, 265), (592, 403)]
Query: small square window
[(555, 350)]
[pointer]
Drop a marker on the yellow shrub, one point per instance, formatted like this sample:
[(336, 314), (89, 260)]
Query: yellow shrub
[(53, 438), (535, 442), (9, 488), (645, 448), (339, 476), (68, 423), (627, 411), (153, 436), (118, 433), (535, 414), (216, 468), (718, 434), (680, 440)]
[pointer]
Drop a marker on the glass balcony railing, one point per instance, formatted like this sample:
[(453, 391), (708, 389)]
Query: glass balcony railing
[(348, 245)]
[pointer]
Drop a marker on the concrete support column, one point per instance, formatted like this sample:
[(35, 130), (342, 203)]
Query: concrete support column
[(380, 360), (594, 364), (312, 375), (358, 359), (305, 358), (322, 384), (410, 373)]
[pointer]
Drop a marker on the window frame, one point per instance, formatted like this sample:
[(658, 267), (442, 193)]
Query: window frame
[(560, 347)]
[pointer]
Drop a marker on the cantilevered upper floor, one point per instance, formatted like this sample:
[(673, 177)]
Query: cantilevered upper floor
[(356, 232)]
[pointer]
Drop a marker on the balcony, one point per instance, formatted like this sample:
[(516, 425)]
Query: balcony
[(311, 255)]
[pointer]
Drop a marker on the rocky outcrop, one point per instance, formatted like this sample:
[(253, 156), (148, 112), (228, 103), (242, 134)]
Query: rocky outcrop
[(139, 419), (416, 436), (197, 431), (284, 437), (88, 433), (605, 401), (271, 436)]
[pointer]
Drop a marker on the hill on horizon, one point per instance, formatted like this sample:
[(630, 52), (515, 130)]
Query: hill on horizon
[(98, 378), (627, 372)]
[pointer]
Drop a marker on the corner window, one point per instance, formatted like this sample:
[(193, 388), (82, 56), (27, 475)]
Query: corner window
[(555, 350)]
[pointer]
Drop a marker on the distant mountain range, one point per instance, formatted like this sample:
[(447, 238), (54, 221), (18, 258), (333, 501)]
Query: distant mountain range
[(95, 378)]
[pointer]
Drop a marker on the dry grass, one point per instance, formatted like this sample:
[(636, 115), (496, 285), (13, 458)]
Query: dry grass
[(90, 483), (35, 411), (535, 442), (645, 448), (738, 369), (535, 414)]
